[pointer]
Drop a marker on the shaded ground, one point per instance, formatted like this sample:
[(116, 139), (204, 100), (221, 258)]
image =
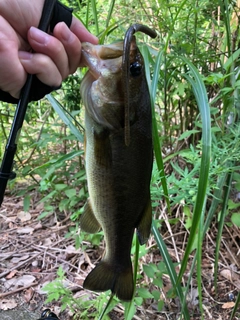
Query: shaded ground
[(31, 252), (19, 313)]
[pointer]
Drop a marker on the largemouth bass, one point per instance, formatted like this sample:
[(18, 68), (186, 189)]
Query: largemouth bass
[(118, 173)]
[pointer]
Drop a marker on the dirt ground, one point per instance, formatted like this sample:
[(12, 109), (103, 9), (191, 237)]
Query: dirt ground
[(32, 250)]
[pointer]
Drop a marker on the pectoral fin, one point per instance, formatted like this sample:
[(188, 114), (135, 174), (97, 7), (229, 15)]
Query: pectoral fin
[(88, 221), (144, 227)]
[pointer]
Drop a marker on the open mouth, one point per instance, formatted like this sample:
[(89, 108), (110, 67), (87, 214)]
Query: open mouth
[(102, 58)]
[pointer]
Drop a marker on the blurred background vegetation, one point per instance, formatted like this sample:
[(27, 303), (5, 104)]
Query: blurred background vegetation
[(194, 64)]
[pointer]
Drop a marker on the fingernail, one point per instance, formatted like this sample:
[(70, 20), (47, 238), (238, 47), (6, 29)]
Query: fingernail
[(66, 33), (24, 55), (38, 35)]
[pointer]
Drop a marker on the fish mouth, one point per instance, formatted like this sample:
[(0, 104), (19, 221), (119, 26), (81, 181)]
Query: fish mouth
[(99, 58)]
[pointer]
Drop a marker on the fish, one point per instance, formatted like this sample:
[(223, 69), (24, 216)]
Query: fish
[(118, 169)]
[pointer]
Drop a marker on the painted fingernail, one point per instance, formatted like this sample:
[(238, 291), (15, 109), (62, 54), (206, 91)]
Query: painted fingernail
[(24, 55), (38, 35)]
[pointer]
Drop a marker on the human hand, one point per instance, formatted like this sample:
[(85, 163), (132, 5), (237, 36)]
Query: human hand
[(55, 56)]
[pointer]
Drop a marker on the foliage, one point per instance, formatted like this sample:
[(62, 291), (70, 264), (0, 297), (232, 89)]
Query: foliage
[(59, 290), (193, 76)]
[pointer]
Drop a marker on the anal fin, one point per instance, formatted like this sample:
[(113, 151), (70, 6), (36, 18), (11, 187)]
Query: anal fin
[(88, 221)]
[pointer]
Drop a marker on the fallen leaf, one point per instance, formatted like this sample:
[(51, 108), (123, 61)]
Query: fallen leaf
[(23, 281), (24, 216), (193, 296), (228, 305), (18, 259), (227, 274), (11, 225), (25, 230), (28, 294), (38, 226), (40, 207), (47, 242), (7, 304), (71, 249), (11, 274), (40, 290), (35, 269), (35, 263)]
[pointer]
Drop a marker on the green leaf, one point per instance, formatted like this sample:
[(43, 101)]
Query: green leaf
[(44, 214), (231, 59), (158, 281), (152, 86), (171, 269), (130, 312), (63, 204), (144, 293), (65, 117), (70, 192), (26, 203), (236, 219), (156, 294), (187, 134), (232, 204), (138, 301), (149, 270), (202, 101), (60, 186), (60, 272), (160, 305)]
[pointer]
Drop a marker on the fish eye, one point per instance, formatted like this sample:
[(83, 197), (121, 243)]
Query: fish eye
[(135, 69)]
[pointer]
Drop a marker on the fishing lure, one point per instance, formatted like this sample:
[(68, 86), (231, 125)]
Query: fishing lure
[(127, 68)]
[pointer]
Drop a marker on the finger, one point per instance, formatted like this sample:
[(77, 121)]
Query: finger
[(13, 75), (41, 65), (22, 14), (71, 44), (50, 46)]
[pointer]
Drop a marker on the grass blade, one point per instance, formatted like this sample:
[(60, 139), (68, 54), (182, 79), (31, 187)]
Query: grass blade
[(236, 306), (200, 93), (152, 85), (110, 11), (202, 101), (65, 117), (130, 305), (171, 270), (226, 193), (106, 307), (95, 15)]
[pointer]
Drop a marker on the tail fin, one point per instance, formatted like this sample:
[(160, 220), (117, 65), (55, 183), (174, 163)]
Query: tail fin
[(105, 277)]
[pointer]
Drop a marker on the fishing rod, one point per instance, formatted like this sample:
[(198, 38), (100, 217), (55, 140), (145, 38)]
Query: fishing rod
[(50, 12)]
